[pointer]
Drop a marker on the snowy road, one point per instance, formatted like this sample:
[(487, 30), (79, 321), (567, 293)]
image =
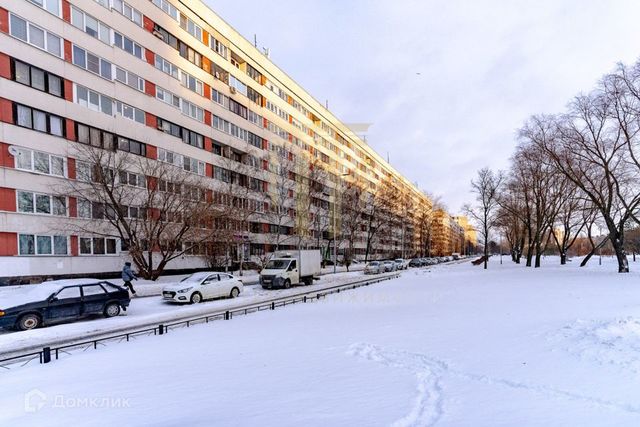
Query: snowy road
[(150, 311)]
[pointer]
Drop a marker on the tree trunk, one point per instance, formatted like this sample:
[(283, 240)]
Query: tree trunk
[(621, 255), (563, 258), (529, 255), (594, 248)]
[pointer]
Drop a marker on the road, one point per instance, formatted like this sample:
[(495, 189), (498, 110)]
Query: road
[(151, 312)]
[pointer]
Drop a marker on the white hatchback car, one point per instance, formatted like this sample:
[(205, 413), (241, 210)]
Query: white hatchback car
[(202, 286)]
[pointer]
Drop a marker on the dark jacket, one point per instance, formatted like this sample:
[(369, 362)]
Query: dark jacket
[(127, 274)]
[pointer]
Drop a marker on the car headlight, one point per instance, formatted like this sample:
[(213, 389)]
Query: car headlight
[(2, 313), (184, 291)]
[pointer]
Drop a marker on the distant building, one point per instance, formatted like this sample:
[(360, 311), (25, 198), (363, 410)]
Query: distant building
[(470, 234)]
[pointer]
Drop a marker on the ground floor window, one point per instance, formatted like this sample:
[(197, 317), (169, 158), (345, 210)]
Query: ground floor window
[(98, 246), (30, 244)]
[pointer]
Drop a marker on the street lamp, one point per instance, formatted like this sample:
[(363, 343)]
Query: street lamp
[(335, 241)]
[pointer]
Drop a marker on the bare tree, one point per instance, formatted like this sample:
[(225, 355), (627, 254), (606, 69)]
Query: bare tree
[(240, 199), (485, 187), (282, 165), (587, 146), (159, 210), (378, 214), (352, 218)]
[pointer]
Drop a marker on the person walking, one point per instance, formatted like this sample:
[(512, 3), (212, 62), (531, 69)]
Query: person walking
[(128, 275)]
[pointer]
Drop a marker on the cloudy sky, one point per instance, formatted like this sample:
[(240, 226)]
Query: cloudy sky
[(445, 83)]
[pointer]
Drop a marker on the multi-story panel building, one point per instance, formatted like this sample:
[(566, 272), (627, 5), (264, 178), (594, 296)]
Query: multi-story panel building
[(166, 82)]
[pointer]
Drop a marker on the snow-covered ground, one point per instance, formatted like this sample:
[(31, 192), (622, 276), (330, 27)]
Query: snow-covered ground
[(450, 346)]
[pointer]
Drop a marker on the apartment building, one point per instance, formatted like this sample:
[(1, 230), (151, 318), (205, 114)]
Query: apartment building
[(166, 81)]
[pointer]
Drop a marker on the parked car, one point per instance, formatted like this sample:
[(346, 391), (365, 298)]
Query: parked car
[(401, 264), (201, 286), (389, 266), (374, 267), (415, 262), (62, 301)]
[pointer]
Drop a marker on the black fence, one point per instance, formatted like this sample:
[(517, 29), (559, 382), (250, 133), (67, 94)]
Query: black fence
[(48, 354)]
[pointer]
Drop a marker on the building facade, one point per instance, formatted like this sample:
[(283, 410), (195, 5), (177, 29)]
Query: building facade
[(170, 82)]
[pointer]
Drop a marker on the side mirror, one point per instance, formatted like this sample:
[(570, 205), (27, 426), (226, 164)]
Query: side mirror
[(53, 298)]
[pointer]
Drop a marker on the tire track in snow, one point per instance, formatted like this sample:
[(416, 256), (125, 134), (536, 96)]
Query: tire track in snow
[(428, 405)]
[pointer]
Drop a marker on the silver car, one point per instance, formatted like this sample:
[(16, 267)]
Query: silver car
[(374, 267), (401, 264), (389, 266)]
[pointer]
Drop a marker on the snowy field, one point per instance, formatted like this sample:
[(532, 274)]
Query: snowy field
[(450, 346)]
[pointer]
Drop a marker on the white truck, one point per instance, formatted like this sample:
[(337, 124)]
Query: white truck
[(291, 268)]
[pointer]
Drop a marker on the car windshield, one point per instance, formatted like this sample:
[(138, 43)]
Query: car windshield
[(373, 263), (277, 264), (195, 277)]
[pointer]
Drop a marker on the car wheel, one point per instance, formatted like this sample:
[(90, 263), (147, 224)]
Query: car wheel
[(235, 292), (287, 284), (112, 310), (28, 321), (196, 298)]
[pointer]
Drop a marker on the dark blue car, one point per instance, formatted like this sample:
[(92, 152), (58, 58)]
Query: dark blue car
[(61, 301)]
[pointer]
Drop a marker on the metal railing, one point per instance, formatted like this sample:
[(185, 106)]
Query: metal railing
[(48, 354)]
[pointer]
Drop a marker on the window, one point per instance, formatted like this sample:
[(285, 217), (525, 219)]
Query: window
[(128, 45), (170, 128), (166, 67), (184, 162), (192, 138), (37, 78), (38, 120), (217, 46), (69, 293), (36, 161), (192, 111), (168, 8), (191, 27), (84, 208), (93, 100), (91, 62), (254, 96), (168, 97), (97, 246), (133, 179), (129, 112), (192, 83), (238, 85), (92, 290), (34, 35), (30, 244), (130, 79), (184, 50), (131, 146), (253, 73), (128, 11), (95, 137), (52, 6), (238, 108), (90, 25), (41, 204)]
